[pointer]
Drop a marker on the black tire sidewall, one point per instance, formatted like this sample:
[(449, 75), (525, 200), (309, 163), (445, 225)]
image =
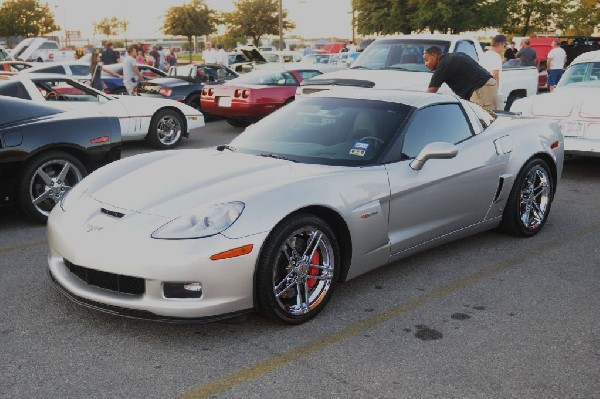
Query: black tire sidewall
[(511, 221), (152, 136), (266, 302)]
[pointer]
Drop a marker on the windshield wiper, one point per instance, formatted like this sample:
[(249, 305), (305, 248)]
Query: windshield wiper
[(225, 147), (399, 69), (359, 67), (277, 157)]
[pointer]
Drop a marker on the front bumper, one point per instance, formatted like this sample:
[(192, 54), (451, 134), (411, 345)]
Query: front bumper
[(227, 285)]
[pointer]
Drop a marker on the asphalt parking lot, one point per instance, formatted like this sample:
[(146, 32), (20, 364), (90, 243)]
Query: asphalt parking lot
[(490, 316)]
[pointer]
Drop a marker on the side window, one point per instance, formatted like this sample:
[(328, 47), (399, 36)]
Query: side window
[(52, 69), (308, 74), (49, 46), (14, 89), (468, 48), (445, 122), (80, 70)]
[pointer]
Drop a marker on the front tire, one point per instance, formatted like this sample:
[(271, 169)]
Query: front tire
[(166, 129), (530, 199), (297, 269), (45, 180)]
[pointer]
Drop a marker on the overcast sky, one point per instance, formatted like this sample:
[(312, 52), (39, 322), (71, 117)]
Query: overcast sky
[(313, 18)]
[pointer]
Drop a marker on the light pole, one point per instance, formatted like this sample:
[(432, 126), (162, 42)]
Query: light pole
[(280, 25)]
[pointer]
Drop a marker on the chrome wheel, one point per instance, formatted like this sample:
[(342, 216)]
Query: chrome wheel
[(303, 271), (534, 198), (528, 204), (50, 182), (168, 129), (297, 270)]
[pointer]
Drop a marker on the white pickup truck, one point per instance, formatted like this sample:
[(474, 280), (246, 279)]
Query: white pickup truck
[(397, 63), (40, 49)]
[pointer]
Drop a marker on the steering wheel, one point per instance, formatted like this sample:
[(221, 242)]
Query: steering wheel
[(372, 138), (54, 96)]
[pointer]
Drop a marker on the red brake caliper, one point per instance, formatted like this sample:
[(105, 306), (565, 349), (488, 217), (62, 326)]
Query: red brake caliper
[(313, 271)]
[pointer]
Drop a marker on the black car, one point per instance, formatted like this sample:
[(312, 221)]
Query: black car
[(113, 85), (185, 83), (45, 151)]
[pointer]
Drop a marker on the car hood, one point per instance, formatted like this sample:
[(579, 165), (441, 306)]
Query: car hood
[(387, 79), (172, 184), (253, 55)]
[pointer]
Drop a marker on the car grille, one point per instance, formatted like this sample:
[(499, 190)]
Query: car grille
[(109, 281)]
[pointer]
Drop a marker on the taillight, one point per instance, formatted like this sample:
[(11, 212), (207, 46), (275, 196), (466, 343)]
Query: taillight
[(237, 93), (245, 93), (204, 92), (211, 92), (165, 92)]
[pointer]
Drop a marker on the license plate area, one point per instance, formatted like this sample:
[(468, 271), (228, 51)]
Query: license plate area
[(224, 101)]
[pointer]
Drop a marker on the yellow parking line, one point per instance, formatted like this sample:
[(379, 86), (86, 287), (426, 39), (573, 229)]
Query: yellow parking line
[(17, 247), (278, 361)]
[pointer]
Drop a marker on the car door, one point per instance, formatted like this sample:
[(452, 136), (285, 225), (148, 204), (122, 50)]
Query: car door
[(446, 194)]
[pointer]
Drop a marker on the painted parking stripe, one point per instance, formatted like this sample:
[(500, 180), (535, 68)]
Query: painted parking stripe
[(278, 361), (17, 247)]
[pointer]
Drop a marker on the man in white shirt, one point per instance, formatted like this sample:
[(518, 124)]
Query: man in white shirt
[(492, 62), (209, 55), (557, 58), (222, 57), (131, 73)]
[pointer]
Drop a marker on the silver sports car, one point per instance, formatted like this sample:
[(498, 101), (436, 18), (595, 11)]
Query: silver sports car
[(323, 190)]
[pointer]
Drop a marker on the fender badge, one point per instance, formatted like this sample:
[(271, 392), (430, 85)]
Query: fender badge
[(368, 215)]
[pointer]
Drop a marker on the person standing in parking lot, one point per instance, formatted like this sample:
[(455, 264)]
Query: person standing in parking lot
[(96, 70), (557, 58), (131, 73), (492, 61), (463, 75), (510, 53), (110, 56), (527, 55)]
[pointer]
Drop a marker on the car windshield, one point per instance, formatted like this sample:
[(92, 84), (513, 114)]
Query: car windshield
[(584, 74), (67, 90), (327, 131), (265, 77), (14, 110), (398, 54)]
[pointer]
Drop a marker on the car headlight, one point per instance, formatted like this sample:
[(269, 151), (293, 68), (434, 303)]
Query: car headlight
[(201, 222)]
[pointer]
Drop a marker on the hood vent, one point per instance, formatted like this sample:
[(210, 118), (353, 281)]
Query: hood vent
[(112, 213)]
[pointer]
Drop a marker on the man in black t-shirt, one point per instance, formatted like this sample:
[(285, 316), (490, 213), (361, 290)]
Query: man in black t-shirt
[(109, 56), (463, 75), (511, 52)]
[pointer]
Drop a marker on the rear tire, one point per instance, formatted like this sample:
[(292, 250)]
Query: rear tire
[(166, 129), (45, 180), (239, 122), (530, 199), (194, 102)]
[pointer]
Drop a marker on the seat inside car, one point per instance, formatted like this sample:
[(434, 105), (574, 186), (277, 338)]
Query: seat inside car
[(364, 126)]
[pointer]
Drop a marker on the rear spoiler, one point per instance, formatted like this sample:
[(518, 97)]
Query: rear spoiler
[(338, 82)]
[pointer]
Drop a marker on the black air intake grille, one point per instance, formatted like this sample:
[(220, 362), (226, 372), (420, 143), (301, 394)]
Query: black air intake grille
[(108, 281)]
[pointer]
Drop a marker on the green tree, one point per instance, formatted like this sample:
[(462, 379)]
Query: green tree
[(108, 26), (256, 18), (580, 18), (26, 18), (383, 16), (192, 19), (525, 17)]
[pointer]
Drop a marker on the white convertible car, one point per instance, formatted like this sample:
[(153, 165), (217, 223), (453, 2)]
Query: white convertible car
[(161, 122), (574, 104), (321, 191)]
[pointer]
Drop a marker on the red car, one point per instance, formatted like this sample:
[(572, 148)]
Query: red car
[(13, 67), (252, 96)]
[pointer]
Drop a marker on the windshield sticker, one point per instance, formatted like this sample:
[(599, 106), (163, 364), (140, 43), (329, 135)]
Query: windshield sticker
[(361, 146), (359, 149)]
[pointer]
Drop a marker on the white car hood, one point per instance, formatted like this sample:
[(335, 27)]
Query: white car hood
[(387, 79), (173, 185)]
